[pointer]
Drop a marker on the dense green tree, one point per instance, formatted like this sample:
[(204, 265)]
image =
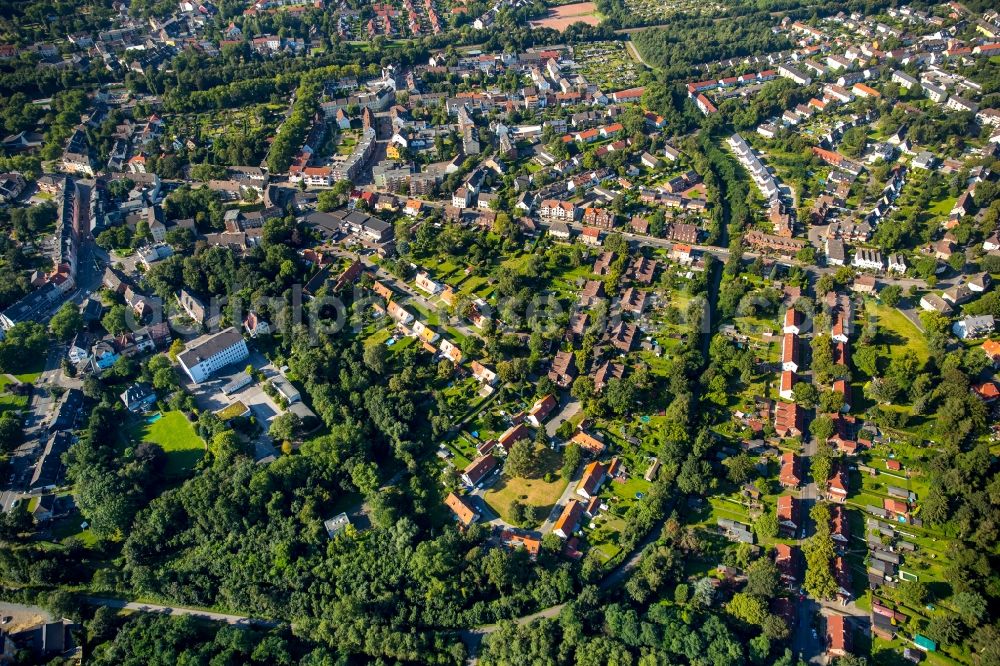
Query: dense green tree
[(11, 433), (763, 578), (115, 320), (520, 459), (285, 426), (741, 468), (66, 322), (944, 627), (748, 608), (572, 457), (890, 295), (23, 344)]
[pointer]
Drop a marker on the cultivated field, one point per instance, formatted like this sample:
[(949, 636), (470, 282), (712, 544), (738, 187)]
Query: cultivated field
[(607, 65), (560, 18), (652, 12)]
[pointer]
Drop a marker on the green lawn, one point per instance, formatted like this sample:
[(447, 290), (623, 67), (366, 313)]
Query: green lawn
[(723, 508), (402, 344), (176, 435), (605, 536), (942, 207), (536, 492), (10, 401), (474, 285), (897, 331), (460, 458), (422, 313), (626, 491), (71, 526), (460, 396), (347, 144), (32, 371), (29, 377), (380, 336)]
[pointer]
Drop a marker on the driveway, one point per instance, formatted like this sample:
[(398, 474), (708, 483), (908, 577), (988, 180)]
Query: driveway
[(568, 411), (805, 637), (911, 311), (568, 493)]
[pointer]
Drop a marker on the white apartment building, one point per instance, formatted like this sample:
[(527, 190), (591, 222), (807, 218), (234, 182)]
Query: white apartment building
[(210, 353)]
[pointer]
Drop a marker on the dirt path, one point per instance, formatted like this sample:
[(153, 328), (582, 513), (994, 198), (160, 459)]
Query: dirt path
[(22, 616), (634, 52)]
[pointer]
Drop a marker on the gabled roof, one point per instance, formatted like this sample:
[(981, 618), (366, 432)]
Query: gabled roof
[(513, 434), (588, 442), (790, 474), (593, 475), (793, 317), (569, 517), (788, 509), (838, 634), (895, 505), (543, 407), (466, 515), (479, 468)]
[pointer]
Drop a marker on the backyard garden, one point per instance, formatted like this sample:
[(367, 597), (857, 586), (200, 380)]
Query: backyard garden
[(174, 434)]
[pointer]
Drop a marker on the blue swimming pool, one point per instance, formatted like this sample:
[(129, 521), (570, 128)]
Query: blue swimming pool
[(154, 418)]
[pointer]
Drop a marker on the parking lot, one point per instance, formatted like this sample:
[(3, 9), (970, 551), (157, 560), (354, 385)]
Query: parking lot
[(209, 396)]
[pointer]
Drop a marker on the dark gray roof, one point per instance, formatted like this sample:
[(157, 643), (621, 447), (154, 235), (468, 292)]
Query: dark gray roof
[(92, 309), (31, 304), (326, 221), (136, 392), (50, 467), (209, 345), (375, 224), (67, 410)]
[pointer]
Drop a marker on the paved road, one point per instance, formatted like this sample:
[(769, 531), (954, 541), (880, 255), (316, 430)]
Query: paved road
[(23, 610), (568, 493), (35, 433), (568, 411), (805, 641), (178, 610), (911, 310), (474, 637), (804, 637)]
